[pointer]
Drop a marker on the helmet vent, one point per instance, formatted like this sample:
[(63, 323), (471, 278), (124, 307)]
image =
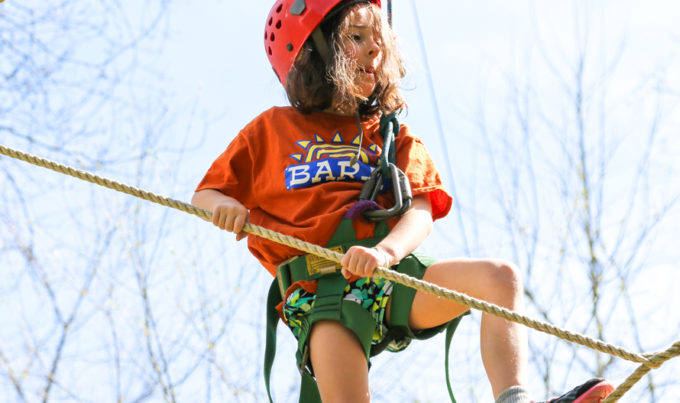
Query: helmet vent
[(271, 37), (279, 8), (278, 24)]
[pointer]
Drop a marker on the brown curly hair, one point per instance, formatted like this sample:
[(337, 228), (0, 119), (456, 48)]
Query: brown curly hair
[(314, 85)]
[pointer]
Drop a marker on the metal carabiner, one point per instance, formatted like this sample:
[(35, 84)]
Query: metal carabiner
[(401, 189)]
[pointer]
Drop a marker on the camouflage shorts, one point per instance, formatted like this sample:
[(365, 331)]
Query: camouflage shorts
[(372, 294)]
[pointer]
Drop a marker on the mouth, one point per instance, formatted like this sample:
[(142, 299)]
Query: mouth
[(367, 70)]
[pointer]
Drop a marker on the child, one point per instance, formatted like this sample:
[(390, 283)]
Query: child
[(299, 170)]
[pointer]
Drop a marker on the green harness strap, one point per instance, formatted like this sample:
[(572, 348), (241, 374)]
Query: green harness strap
[(329, 306), (401, 308), (273, 299)]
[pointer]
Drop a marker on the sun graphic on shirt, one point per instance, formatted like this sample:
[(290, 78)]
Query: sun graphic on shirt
[(320, 162), (319, 149)]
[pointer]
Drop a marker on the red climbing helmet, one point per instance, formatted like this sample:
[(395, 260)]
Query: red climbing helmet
[(289, 24)]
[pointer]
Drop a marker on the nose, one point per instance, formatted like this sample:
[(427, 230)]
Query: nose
[(373, 48)]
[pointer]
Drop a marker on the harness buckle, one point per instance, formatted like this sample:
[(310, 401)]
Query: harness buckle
[(283, 275), (320, 265)]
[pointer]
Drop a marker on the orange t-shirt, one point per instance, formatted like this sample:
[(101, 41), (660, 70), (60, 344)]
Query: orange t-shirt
[(293, 172)]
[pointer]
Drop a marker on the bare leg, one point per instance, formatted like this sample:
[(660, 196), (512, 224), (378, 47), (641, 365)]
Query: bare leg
[(339, 363), (503, 343)]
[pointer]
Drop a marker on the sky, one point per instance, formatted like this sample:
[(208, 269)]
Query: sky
[(477, 71)]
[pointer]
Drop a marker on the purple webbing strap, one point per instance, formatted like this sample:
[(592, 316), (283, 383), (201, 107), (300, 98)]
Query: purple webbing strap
[(361, 206)]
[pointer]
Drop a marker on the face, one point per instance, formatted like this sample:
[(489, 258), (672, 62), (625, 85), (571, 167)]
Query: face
[(363, 47)]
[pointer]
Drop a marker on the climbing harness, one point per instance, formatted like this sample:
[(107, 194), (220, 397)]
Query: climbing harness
[(329, 304)]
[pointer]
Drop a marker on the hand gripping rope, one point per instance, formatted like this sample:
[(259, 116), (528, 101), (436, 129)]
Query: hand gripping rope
[(648, 361)]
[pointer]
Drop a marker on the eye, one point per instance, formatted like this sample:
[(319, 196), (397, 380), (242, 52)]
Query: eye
[(355, 37)]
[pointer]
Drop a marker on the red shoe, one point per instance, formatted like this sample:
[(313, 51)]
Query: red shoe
[(593, 391)]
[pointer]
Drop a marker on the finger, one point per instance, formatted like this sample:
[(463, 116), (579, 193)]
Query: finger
[(239, 223), (230, 223), (357, 263), (344, 262), (216, 217), (223, 220), (368, 268)]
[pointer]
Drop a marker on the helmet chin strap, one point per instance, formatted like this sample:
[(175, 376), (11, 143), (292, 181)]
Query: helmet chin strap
[(321, 45), (389, 12), (354, 159)]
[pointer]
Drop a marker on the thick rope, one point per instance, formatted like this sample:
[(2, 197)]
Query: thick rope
[(648, 361), (655, 361)]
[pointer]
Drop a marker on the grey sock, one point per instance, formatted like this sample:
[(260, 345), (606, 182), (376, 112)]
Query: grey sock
[(514, 394)]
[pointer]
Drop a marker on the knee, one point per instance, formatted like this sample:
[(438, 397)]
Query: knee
[(505, 278)]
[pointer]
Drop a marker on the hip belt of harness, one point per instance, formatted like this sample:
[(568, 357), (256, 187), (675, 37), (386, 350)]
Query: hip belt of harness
[(311, 267)]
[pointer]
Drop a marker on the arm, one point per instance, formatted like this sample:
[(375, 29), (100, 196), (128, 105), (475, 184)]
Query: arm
[(227, 212), (411, 230)]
